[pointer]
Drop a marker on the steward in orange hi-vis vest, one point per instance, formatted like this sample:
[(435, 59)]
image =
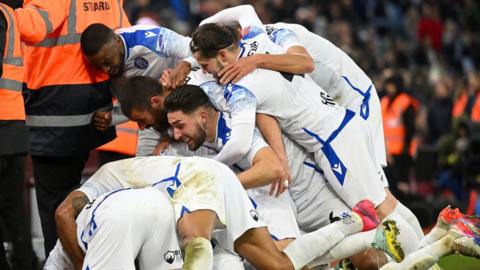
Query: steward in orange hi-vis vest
[(11, 100), (62, 93), (62, 90), (460, 106), (393, 126)]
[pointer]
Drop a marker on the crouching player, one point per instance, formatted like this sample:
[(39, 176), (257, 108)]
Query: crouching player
[(207, 195), (112, 231)]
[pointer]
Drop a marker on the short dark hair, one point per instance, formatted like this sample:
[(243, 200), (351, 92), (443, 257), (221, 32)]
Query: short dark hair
[(209, 38), (95, 37), (136, 92), (186, 98), (397, 80)]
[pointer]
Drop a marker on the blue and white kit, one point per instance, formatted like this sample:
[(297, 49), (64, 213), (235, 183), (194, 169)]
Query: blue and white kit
[(341, 142), (334, 70), (191, 183), (149, 50), (104, 232)]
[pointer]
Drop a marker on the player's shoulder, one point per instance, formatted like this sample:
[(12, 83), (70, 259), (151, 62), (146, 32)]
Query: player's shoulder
[(198, 77), (138, 28), (259, 76), (252, 31)]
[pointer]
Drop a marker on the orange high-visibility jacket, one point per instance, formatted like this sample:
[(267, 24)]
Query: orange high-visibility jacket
[(63, 91), (393, 126), (461, 103), (126, 141), (11, 99)]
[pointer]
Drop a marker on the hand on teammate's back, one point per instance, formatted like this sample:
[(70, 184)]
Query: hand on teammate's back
[(236, 71)]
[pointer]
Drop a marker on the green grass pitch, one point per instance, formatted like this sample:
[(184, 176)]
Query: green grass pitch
[(459, 262)]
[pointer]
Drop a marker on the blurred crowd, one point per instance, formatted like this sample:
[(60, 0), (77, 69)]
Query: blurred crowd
[(430, 47)]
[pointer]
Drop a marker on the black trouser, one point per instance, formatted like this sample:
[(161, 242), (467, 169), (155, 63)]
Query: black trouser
[(55, 177), (3, 259), (13, 211), (398, 172)]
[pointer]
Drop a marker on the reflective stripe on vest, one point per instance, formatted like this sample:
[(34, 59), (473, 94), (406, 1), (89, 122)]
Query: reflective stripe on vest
[(393, 126), (72, 37), (11, 100), (62, 120), (126, 141)]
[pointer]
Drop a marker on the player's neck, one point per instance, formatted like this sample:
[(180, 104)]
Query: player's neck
[(212, 126)]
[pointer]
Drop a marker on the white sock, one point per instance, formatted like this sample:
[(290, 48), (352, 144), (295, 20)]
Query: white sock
[(312, 245), (410, 218), (407, 238), (198, 255), (435, 234), (349, 246), (427, 256)]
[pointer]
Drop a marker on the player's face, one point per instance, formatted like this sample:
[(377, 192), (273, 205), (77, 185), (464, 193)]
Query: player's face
[(187, 128), (110, 58), (210, 65), (153, 117)]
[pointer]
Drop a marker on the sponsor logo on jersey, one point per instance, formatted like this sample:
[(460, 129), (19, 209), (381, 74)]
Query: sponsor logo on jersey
[(96, 6), (172, 256), (140, 63), (254, 214)]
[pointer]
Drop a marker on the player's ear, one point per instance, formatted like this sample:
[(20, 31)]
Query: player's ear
[(118, 40), (156, 101), (202, 115), (222, 56)]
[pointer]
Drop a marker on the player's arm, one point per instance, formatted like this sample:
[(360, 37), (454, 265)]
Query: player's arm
[(65, 216), (295, 61), (265, 169), (245, 15), (272, 133), (242, 104), (177, 46)]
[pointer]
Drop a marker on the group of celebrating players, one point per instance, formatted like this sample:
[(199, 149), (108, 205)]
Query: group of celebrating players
[(271, 148)]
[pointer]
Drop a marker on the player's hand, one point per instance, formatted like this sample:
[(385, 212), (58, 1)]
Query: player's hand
[(280, 186), (179, 74), (236, 71), (390, 159), (165, 77), (101, 120), (162, 145)]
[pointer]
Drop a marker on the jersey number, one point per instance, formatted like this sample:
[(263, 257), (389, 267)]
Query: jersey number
[(326, 99)]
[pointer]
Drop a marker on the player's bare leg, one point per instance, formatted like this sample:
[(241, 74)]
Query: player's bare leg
[(195, 231), (258, 248)]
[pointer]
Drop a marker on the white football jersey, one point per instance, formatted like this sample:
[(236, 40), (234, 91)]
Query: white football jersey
[(333, 67), (224, 125), (151, 49), (303, 109)]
